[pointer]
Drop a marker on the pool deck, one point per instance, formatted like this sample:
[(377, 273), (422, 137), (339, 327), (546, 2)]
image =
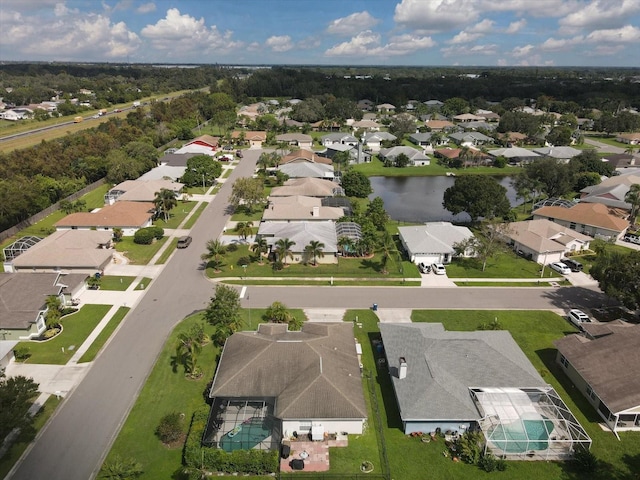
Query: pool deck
[(318, 454)]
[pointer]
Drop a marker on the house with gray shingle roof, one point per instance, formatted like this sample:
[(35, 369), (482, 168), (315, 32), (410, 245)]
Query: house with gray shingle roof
[(416, 157), (432, 242), (470, 138), (301, 380), (561, 153), (339, 137), (307, 169), (373, 140), (302, 233)]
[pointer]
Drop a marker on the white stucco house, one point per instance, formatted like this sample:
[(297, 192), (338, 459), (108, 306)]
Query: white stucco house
[(432, 242)]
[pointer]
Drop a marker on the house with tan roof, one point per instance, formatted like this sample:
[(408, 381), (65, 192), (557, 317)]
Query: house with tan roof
[(468, 117), (300, 156), (439, 125), (605, 370), (544, 241), (76, 250), (140, 190), (128, 216), (300, 140), (369, 125), (306, 381), (310, 187), (629, 138), (385, 108), (593, 219), (23, 300), (255, 139), (299, 207)]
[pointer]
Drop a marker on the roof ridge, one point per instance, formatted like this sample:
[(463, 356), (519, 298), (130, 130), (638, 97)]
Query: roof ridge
[(270, 342)]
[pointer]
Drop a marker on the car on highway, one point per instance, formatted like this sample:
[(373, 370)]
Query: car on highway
[(560, 268), (438, 269), (184, 242), (578, 317)]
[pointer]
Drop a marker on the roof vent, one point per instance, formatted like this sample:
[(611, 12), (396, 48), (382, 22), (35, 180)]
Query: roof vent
[(402, 370)]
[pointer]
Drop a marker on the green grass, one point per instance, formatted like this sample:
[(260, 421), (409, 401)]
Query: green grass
[(139, 254), (76, 328), (24, 439), (166, 390), (251, 317), (104, 335), (241, 215), (167, 252), (114, 282), (326, 282), (366, 268), (376, 168), (608, 140), (194, 218), (505, 265), (176, 215), (508, 284), (144, 283)]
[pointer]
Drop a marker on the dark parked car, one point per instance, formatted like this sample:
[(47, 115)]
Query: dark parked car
[(239, 154), (184, 242)]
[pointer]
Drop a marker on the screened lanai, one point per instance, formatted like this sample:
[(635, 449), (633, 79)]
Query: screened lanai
[(19, 246), (528, 423)]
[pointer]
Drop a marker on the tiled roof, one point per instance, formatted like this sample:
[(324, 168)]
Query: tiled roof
[(543, 235), (592, 214), (305, 155)]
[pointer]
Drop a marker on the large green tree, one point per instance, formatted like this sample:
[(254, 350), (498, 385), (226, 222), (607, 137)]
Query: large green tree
[(284, 249), (314, 249), (477, 195), (633, 198), (356, 184), (248, 192), (618, 276), (165, 200), (223, 313), (555, 178), (16, 396), (201, 169)]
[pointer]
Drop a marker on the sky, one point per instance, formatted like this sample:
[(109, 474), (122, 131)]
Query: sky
[(331, 32)]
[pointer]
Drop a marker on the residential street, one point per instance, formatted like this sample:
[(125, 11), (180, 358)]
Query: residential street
[(78, 437), (603, 147)]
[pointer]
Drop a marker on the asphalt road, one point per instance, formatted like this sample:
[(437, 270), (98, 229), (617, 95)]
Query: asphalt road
[(603, 147), (74, 443)]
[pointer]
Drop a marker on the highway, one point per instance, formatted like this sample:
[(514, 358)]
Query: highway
[(76, 440)]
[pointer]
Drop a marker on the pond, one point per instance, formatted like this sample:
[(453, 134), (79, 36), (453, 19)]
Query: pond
[(419, 199)]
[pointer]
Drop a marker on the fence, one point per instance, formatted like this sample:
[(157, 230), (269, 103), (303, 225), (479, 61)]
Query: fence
[(47, 211)]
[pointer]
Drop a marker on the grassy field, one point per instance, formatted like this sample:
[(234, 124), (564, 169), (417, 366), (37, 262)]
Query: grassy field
[(104, 335), (139, 254), (194, 218), (76, 328), (505, 265), (114, 282), (176, 215), (9, 459), (376, 168)]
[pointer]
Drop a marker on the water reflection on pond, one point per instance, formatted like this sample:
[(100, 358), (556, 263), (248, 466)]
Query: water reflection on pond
[(419, 199)]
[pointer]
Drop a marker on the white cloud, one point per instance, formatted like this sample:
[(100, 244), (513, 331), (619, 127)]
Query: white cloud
[(356, 22), (182, 35), (601, 14), (281, 43), (465, 50), (254, 46), (146, 8), (604, 50), (626, 34), (539, 8), (485, 26), (435, 15), (464, 37), (552, 44), (502, 62), (369, 44), (515, 27), (70, 35), (522, 51)]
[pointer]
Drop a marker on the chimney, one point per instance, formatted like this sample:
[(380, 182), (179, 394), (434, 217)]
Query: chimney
[(315, 212), (402, 370)]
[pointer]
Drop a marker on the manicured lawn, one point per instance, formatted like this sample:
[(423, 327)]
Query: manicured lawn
[(608, 140), (241, 215), (115, 282), (176, 215), (139, 254), (508, 284), (505, 265), (167, 252), (10, 458), (376, 168), (192, 220), (104, 335), (144, 283), (392, 282), (166, 390), (368, 268), (76, 328), (251, 317)]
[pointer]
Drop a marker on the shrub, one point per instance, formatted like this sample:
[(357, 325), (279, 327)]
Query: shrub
[(22, 352), (488, 462), (585, 461), (170, 428), (232, 247), (158, 232), (68, 311), (243, 261), (278, 265), (144, 236)]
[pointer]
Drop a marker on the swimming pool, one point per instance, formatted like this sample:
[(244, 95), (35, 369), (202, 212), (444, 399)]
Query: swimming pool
[(246, 435), (522, 436)]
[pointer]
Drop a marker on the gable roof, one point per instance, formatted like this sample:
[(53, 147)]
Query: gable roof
[(442, 366), (560, 152), (311, 187), (294, 137), (592, 214), (543, 235), (339, 137), (304, 156), (378, 136), (305, 169), (611, 192), (144, 190), (323, 382), (614, 376), (410, 152), (209, 140), (433, 237), (513, 152), (302, 233), (120, 214), (439, 124)]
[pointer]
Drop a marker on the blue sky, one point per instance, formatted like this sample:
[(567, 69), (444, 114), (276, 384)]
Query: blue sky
[(336, 32)]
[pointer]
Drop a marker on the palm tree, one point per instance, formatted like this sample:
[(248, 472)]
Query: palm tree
[(260, 247), (633, 197), (283, 249), (244, 229), (215, 248), (630, 150), (165, 200), (187, 350), (314, 249), (347, 245)]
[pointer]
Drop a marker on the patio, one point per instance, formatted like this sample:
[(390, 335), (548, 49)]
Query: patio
[(314, 454)]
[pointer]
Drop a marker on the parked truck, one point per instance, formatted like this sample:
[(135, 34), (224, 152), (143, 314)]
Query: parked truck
[(136, 104), (102, 111), (78, 119)]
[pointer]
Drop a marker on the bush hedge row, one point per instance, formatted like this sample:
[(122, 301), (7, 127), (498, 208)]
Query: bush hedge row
[(145, 236), (255, 462)]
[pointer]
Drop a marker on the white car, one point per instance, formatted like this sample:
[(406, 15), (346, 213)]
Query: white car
[(439, 269), (578, 317), (560, 268)]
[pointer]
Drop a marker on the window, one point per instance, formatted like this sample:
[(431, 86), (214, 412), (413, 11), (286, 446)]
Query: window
[(564, 361), (572, 225), (304, 426)]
